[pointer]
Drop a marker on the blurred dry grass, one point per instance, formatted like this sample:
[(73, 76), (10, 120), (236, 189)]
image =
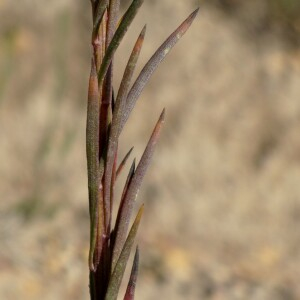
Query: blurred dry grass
[(222, 197)]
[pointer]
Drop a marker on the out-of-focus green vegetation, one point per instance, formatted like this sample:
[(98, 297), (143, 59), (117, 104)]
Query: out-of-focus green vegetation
[(287, 9), (281, 16)]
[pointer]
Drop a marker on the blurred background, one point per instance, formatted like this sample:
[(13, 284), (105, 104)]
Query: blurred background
[(222, 218)]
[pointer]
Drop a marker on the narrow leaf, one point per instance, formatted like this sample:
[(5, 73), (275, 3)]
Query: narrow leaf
[(127, 183), (118, 244), (133, 188), (117, 116), (117, 275), (123, 163), (127, 77), (92, 151), (114, 6), (102, 5), (128, 73), (117, 38), (98, 41), (129, 295), (152, 64), (113, 180), (100, 237), (92, 133)]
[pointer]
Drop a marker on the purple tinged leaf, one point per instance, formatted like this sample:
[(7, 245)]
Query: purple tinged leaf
[(123, 163), (127, 77), (118, 272), (129, 295), (118, 244), (153, 63), (117, 38), (92, 132), (133, 189), (102, 140), (92, 151), (100, 235), (113, 12), (117, 116), (95, 168)]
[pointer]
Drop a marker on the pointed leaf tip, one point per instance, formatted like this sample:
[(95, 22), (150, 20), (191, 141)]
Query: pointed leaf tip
[(132, 188), (195, 13), (118, 242), (118, 112), (131, 149), (157, 128), (188, 22), (125, 83), (118, 272), (162, 115), (143, 32), (123, 163), (190, 19), (118, 36), (153, 63), (129, 295), (140, 40)]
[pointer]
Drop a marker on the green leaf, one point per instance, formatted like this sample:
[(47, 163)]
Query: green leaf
[(100, 10), (118, 273), (117, 38), (92, 152), (129, 295)]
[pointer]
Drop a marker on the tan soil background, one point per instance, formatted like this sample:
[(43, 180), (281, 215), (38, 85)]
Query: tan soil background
[(222, 218)]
